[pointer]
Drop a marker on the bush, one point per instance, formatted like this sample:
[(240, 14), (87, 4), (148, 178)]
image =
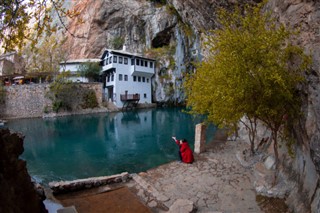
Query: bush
[(56, 105), (89, 99), (46, 109), (118, 42)]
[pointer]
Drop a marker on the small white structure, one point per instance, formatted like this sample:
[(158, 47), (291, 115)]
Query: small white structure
[(73, 67), (127, 77)]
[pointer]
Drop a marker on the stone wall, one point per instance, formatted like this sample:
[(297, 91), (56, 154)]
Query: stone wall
[(25, 101)]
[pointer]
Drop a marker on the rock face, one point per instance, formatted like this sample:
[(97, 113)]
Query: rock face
[(305, 167), (17, 193), (144, 25), (111, 24)]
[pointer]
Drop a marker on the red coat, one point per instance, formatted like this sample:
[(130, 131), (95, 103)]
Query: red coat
[(186, 152)]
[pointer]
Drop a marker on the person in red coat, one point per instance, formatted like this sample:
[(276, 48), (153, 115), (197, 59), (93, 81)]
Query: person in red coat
[(185, 153)]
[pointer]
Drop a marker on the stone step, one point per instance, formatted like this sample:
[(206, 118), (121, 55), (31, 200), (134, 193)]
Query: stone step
[(149, 188), (69, 209)]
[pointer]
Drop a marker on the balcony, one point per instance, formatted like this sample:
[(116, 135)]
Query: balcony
[(130, 101), (130, 97)]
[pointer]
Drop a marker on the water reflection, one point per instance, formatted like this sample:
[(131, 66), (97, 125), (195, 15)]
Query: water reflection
[(102, 144)]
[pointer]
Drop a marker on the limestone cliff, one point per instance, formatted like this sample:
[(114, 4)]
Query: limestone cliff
[(172, 34), (305, 167)]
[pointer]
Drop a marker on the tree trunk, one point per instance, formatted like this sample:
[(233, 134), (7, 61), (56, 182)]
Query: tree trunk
[(275, 148)]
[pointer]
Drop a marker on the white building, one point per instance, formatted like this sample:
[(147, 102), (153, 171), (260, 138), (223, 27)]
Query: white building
[(73, 66), (127, 77)]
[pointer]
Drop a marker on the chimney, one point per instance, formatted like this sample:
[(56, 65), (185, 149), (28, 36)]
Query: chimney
[(124, 48)]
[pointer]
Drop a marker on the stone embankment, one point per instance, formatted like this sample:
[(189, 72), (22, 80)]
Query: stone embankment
[(31, 100), (76, 185)]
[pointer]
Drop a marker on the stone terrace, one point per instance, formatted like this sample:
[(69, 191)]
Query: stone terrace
[(215, 182)]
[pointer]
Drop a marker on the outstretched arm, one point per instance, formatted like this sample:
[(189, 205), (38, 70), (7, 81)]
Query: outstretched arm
[(175, 140)]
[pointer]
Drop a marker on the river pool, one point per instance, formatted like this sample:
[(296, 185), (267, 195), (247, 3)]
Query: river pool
[(81, 146)]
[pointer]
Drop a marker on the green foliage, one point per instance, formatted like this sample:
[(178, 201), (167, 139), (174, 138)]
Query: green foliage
[(172, 11), (62, 92), (21, 19), (252, 70), (172, 63), (161, 53), (46, 55), (169, 90), (46, 109), (89, 99), (117, 42), (57, 105), (186, 28), (67, 95), (63, 77), (90, 70)]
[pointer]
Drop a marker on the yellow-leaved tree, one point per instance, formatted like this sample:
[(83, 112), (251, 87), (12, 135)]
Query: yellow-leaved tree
[(252, 71)]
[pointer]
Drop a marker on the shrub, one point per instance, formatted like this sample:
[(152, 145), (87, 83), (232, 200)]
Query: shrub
[(89, 99), (117, 42)]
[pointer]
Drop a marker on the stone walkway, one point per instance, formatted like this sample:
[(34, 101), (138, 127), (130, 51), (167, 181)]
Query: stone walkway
[(215, 182)]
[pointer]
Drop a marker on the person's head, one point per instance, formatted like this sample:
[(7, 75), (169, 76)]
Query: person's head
[(183, 141)]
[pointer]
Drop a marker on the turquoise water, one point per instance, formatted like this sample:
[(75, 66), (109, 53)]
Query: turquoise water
[(81, 146)]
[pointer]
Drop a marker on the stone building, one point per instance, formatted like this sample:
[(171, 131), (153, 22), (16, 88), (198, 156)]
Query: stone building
[(11, 64)]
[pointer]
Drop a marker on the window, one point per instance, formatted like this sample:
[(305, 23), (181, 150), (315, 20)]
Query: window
[(112, 77), (151, 64), (120, 75), (108, 78), (120, 60), (125, 60), (147, 80), (134, 78), (110, 60), (145, 95), (132, 61), (125, 77), (145, 63), (139, 79), (143, 79), (138, 62), (115, 59)]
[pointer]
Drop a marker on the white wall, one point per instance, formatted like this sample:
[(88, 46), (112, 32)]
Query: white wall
[(69, 67), (78, 79), (73, 68)]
